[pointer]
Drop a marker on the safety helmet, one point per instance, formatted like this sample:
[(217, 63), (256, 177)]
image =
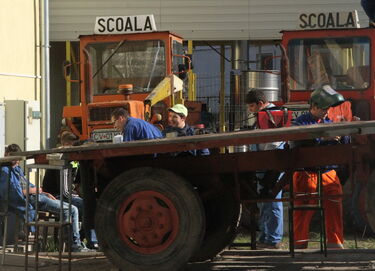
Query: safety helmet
[(326, 97), (179, 109)]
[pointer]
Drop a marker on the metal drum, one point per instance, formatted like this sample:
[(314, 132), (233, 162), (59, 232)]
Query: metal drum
[(268, 81)]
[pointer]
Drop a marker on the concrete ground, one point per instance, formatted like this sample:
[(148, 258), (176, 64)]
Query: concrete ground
[(229, 260)]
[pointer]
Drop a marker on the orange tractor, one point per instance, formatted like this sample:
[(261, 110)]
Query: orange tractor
[(140, 71)]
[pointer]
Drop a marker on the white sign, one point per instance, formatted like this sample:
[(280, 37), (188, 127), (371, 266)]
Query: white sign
[(328, 20), (124, 24)]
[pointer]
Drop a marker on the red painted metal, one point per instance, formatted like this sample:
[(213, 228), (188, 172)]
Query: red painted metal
[(355, 94), (148, 222)]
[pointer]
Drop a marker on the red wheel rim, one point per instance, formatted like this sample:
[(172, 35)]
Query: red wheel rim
[(148, 222)]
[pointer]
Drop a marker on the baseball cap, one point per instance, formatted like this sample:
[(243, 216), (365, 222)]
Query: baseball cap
[(179, 109), (326, 97)]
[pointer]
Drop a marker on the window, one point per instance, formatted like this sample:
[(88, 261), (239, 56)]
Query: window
[(344, 63), (141, 63)]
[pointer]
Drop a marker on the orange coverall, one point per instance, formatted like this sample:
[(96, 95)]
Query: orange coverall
[(342, 112), (306, 182)]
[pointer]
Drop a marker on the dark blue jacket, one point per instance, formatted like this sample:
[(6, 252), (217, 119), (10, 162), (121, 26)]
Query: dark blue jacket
[(308, 119), (186, 131), (17, 200), (138, 129)]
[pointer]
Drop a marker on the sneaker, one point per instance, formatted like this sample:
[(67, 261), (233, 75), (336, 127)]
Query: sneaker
[(94, 246), (268, 246), (80, 248)]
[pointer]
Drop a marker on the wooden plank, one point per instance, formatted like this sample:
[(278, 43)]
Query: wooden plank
[(165, 145)]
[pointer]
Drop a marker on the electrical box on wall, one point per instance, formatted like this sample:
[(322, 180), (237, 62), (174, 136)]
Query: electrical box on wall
[(22, 124)]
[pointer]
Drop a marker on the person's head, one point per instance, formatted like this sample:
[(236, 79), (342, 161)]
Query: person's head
[(322, 99), (68, 139), (256, 100), (13, 148), (177, 116), (119, 116)]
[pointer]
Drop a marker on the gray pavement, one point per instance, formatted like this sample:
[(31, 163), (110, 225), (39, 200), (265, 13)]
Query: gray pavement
[(229, 260)]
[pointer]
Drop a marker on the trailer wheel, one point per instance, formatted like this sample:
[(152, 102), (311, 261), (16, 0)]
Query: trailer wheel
[(222, 218), (370, 201), (149, 219)]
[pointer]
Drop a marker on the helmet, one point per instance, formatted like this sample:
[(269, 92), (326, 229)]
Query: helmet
[(326, 97)]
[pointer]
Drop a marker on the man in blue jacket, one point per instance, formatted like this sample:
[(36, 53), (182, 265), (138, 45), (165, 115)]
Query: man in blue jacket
[(133, 128), (305, 181)]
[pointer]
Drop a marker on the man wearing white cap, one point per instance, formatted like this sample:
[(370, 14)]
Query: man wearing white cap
[(177, 126)]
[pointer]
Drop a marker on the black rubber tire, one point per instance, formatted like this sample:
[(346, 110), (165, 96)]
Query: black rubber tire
[(370, 201), (185, 200), (222, 218)]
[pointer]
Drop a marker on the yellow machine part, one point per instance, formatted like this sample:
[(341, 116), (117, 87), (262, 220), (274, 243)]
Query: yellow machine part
[(163, 91)]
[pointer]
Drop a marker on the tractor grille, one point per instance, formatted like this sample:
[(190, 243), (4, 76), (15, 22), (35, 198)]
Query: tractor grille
[(101, 113)]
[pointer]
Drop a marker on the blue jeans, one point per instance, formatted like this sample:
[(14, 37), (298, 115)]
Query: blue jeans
[(369, 8), (271, 221), (53, 206), (90, 234)]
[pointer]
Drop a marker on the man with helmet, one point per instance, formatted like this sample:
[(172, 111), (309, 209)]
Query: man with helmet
[(306, 181)]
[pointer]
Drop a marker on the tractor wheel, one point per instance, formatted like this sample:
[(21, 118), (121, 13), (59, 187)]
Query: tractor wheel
[(149, 219), (222, 217)]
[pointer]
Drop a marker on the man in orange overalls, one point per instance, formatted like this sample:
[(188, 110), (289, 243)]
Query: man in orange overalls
[(305, 182)]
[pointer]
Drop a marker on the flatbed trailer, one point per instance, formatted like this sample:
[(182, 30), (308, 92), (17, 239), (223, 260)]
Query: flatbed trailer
[(153, 210)]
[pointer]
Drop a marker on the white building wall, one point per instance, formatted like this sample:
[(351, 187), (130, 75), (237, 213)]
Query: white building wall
[(196, 19)]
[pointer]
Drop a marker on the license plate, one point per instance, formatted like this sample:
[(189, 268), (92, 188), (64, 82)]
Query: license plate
[(104, 135), (296, 114), (297, 109)]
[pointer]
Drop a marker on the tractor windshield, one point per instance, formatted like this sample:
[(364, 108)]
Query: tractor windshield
[(141, 63), (344, 63)]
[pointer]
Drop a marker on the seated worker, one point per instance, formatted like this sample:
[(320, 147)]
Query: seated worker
[(13, 190), (133, 128), (306, 181), (46, 201), (51, 184), (271, 213), (177, 126)]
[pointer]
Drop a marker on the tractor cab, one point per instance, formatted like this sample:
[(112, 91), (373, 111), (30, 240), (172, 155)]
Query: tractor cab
[(149, 65), (341, 58)]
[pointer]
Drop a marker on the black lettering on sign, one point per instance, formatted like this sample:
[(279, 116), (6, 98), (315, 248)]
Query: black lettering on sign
[(330, 21), (109, 28), (128, 25), (148, 24), (338, 20), (350, 20), (321, 20), (311, 16), (101, 24), (136, 25), (119, 24)]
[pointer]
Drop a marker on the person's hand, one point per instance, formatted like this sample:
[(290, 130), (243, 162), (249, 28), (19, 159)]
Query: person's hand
[(49, 195)]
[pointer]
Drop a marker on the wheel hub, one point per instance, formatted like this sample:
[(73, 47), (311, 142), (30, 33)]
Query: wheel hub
[(148, 222)]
